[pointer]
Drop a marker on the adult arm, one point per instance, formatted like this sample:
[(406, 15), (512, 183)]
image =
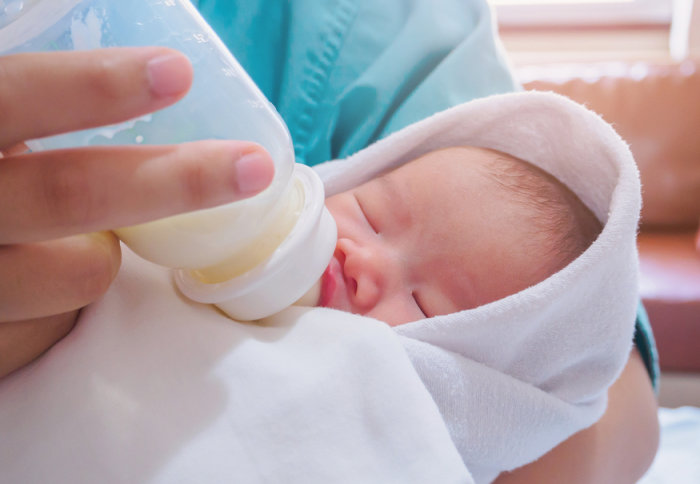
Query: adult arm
[(49, 200), (618, 449)]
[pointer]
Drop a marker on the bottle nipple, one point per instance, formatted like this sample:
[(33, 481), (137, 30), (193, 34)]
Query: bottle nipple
[(312, 296), (289, 275)]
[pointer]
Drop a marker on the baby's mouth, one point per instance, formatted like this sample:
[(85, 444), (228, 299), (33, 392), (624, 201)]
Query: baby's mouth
[(329, 282)]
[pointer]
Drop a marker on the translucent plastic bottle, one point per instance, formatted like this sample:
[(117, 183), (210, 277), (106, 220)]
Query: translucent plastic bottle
[(251, 258)]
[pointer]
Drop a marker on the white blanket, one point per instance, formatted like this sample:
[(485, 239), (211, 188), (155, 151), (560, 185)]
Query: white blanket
[(677, 461), (151, 388)]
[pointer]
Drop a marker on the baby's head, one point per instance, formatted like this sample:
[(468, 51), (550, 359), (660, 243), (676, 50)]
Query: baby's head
[(454, 229)]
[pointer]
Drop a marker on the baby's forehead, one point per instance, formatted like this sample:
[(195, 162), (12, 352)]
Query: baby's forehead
[(468, 157), (459, 178), (465, 160), (459, 157), (476, 156), (502, 169)]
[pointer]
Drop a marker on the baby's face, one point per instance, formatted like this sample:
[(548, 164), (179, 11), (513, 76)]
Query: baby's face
[(435, 236)]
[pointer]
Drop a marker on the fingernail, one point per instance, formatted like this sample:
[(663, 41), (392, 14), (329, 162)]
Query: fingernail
[(169, 75), (254, 172)]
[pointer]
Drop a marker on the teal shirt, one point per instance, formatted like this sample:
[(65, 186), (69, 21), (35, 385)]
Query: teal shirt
[(345, 73), (644, 341)]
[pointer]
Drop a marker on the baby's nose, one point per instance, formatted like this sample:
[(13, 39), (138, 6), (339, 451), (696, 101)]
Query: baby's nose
[(363, 273)]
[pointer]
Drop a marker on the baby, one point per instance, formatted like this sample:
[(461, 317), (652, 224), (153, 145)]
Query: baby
[(452, 230)]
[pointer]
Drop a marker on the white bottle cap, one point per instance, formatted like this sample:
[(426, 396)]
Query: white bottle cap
[(284, 277)]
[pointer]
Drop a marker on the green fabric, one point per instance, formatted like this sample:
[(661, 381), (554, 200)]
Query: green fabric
[(644, 341), (344, 73)]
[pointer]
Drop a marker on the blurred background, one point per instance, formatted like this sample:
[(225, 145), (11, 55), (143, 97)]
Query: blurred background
[(637, 63)]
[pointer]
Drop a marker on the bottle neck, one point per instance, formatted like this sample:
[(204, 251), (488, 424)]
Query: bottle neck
[(286, 213), (290, 272)]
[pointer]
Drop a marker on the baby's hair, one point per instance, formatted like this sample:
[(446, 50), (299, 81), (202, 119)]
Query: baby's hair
[(567, 224)]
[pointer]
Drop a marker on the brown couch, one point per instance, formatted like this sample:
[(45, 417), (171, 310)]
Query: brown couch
[(656, 109)]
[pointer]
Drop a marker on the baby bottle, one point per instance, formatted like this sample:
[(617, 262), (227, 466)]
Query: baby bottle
[(251, 258)]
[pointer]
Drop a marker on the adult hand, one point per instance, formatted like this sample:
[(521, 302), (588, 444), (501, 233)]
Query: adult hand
[(56, 255)]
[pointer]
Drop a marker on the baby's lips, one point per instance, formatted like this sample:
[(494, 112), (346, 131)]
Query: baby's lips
[(329, 282)]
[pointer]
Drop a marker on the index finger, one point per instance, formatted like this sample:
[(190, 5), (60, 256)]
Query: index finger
[(50, 194), (42, 94)]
